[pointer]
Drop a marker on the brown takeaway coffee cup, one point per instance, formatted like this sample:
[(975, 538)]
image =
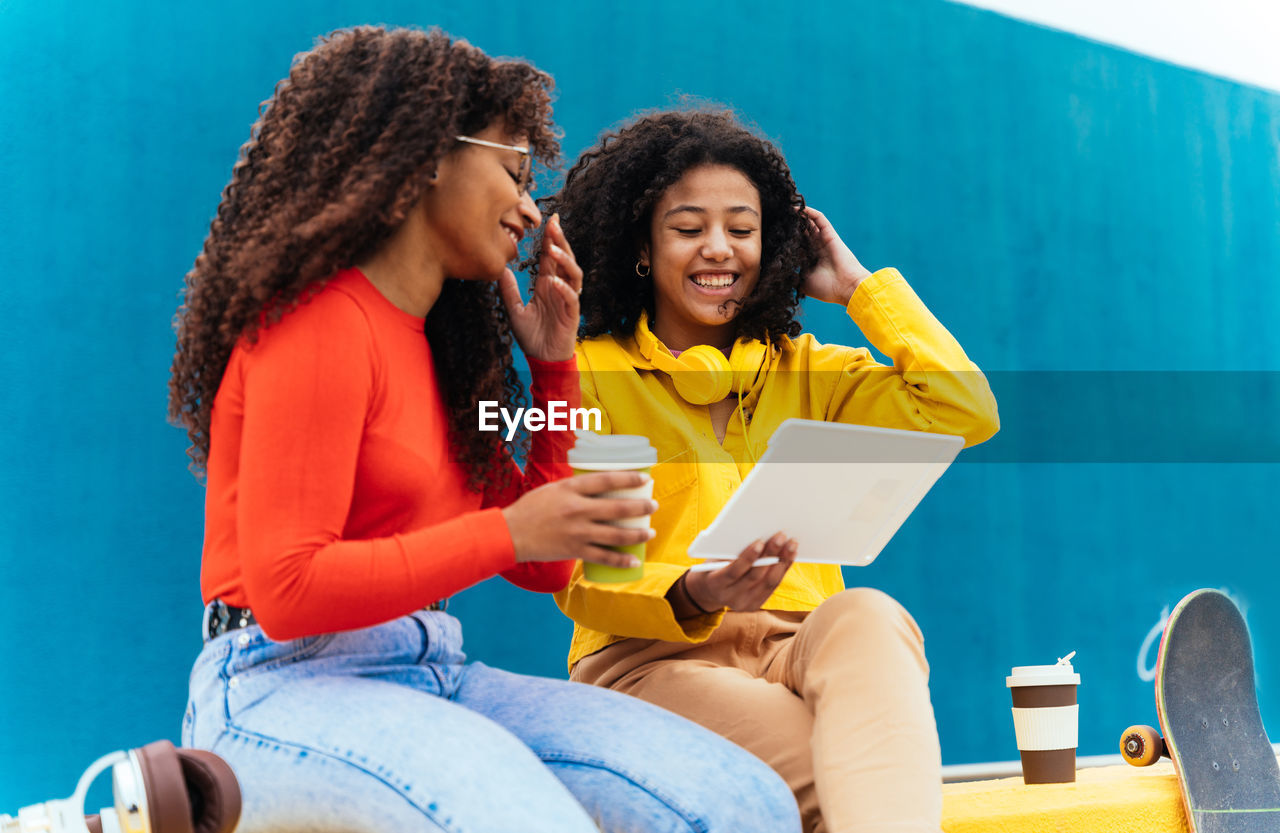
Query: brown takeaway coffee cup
[(1046, 720)]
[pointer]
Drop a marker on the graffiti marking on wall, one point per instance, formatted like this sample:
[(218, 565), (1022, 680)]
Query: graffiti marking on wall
[(1146, 659)]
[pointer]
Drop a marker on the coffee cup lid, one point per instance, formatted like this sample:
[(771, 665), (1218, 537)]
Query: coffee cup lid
[(1060, 674), (611, 451)]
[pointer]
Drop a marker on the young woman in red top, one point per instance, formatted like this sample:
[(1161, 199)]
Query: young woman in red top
[(351, 308)]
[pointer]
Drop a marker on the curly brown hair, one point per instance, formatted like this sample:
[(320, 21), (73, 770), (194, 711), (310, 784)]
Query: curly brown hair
[(340, 154), (607, 201)]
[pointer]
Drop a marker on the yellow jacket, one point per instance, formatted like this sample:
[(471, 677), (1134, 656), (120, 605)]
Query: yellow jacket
[(932, 386)]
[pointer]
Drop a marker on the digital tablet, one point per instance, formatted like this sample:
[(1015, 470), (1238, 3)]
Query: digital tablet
[(841, 491)]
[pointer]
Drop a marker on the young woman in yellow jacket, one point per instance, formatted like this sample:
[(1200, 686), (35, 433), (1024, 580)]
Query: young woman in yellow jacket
[(692, 235)]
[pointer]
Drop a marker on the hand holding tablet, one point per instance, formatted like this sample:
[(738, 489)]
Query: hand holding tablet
[(737, 584)]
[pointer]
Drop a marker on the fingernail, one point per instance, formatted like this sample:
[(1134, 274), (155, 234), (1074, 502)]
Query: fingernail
[(792, 547), (652, 532), (758, 546), (556, 250), (653, 506), (634, 562)]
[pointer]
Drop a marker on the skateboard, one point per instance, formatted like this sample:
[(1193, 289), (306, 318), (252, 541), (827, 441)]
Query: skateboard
[(1208, 712)]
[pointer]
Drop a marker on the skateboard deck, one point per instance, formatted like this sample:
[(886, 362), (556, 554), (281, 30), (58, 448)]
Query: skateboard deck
[(1208, 711)]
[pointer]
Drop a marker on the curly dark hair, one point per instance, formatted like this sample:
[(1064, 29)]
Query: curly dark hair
[(607, 202), (339, 155)]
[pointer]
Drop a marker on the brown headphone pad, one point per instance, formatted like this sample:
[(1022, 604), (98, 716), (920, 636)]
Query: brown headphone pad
[(168, 804), (213, 790)]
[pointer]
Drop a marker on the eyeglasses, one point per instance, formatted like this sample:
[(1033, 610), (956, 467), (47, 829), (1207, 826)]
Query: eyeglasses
[(523, 178)]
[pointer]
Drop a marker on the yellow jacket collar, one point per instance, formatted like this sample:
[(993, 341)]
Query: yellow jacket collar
[(646, 344)]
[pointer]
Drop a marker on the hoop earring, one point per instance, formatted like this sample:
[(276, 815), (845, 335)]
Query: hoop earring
[(647, 269)]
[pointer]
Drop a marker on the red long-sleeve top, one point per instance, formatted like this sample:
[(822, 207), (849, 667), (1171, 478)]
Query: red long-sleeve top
[(333, 500)]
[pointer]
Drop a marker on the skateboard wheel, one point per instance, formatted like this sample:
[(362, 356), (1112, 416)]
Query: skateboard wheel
[(1141, 745)]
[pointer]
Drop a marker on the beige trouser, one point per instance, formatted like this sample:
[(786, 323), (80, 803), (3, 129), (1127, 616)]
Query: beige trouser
[(835, 700)]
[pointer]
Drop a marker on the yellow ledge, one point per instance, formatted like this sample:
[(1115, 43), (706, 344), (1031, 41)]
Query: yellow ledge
[(1112, 799)]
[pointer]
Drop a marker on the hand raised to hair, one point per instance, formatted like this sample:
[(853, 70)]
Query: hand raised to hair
[(838, 272), (546, 328)]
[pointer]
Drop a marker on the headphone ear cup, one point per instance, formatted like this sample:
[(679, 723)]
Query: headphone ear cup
[(747, 359), (701, 375), (168, 806), (213, 789)]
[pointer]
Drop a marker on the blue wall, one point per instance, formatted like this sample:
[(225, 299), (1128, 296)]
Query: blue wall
[(1061, 205)]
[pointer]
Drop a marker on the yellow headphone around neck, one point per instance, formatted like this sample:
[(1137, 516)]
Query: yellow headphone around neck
[(703, 375)]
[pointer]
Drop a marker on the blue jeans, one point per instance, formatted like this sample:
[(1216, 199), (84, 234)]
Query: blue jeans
[(389, 729)]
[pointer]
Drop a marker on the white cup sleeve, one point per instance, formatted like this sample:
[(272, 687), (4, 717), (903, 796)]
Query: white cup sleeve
[(1046, 728)]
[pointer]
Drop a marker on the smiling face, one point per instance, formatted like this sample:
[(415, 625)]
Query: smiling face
[(474, 212), (704, 251)]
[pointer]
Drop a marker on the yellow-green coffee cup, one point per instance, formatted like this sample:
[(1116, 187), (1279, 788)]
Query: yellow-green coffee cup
[(616, 452)]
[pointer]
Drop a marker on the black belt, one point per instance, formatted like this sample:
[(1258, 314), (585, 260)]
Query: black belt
[(224, 618)]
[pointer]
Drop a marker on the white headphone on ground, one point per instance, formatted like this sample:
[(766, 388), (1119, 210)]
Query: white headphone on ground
[(157, 789)]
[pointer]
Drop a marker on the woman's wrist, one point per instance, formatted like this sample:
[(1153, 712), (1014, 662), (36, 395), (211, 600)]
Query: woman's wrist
[(683, 604), (536, 363), (851, 283), (693, 600)]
